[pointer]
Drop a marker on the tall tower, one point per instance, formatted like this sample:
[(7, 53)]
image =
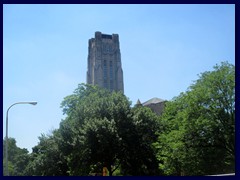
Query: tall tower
[(104, 62)]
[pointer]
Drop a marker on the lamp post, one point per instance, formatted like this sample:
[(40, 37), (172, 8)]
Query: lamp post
[(33, 103)]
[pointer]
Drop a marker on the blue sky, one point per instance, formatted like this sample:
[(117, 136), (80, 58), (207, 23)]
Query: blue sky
[(163, 49)]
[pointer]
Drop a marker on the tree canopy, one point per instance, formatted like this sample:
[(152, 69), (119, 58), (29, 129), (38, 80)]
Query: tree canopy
[(199, 126), (195, 135), (100, 130), (17, 158)]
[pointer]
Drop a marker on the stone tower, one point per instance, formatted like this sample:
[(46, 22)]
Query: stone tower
[(104, 62)]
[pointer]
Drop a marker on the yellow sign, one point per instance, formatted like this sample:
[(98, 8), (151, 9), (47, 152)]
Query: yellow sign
[(105, 171)]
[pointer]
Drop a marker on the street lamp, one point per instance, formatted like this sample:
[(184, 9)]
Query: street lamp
[(33, 103)]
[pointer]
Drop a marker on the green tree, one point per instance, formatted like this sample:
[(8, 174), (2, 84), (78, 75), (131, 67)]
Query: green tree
[(17, 158), (46, 159), (102, 130), (199, 126), (94, 126), (140, 158)]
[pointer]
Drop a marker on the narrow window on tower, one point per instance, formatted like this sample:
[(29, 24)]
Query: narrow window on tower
[(111, 76), (105, 73)]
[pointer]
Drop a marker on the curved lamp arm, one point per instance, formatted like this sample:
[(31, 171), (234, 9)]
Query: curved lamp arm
[(33, 103)]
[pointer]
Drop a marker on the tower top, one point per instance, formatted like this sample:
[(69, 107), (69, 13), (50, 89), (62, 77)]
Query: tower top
[(99, 35)]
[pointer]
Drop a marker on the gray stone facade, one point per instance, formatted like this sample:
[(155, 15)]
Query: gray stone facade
[(156, 105), (104, 62)]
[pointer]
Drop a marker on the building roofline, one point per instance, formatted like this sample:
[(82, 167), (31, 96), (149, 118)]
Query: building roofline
[(154, 100)]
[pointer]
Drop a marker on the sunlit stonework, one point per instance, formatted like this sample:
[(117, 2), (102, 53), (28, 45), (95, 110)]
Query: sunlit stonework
[(104, 62)]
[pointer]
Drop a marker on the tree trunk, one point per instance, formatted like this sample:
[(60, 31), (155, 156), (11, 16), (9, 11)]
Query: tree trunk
[(110, 170)]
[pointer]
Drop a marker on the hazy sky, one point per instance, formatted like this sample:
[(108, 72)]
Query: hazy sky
[(163, 48)]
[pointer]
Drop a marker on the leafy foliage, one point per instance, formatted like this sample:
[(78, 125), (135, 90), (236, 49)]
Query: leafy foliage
[(140, 157), (101, 128), (194, 136), (46, 159), (199, 126), (93, 121), (17, 158)]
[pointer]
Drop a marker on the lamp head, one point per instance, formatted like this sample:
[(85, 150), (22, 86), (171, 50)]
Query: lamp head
[(33, 103)]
